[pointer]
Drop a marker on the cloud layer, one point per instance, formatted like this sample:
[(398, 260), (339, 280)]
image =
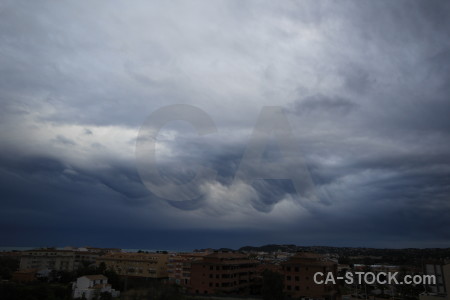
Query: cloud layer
[(365, 86)]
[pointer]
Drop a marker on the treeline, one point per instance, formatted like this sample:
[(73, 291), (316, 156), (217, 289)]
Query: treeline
[(35, 291), (8, 266)]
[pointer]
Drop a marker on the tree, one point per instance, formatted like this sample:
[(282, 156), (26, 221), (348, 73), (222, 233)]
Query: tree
[(7, 267), (344, 260), (105, 296), (113, 279), (101, 268), (272, 286)]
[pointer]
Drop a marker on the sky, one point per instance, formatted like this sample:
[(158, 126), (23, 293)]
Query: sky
[(363, 85)]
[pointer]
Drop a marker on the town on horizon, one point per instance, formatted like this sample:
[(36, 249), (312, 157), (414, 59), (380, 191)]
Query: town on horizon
[(268, 272), (288, 247)]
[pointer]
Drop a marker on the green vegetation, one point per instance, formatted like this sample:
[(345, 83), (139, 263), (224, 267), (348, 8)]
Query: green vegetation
[(7, 267), (35, 291)]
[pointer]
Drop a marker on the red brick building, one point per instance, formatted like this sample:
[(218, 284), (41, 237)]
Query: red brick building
[(223, 273), (299, 273), (25, 275), (179, 267)]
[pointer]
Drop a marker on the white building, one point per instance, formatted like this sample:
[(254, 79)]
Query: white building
[(91, 286), (55, 259)]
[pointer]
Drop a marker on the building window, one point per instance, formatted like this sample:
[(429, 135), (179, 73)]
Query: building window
[(288, 277), (297, 288), (296, 269), (297, 278), (288, 287)]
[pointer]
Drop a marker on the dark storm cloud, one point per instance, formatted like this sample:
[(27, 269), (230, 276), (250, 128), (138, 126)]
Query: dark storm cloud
[(116, 177), (365, 85)]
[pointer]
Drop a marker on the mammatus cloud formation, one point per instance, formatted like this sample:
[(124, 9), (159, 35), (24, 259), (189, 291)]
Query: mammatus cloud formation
[(365, 86)]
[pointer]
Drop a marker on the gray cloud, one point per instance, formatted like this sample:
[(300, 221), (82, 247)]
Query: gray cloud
[(320, 104), (365, 85), (63, 140)]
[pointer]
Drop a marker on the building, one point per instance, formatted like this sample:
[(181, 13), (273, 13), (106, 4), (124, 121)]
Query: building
[(11, 254), (223, 273), (298, 272), (25, 275), (97, 250), (149, 265), (441, 289), (376, 268), (91, 286), (179, 267), (438, 272), (53, 259)]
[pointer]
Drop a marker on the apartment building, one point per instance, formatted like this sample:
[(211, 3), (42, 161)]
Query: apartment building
[(53, 259), (149, 265), (298, 272), (223, 273), (179, 267), (440, 290)]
